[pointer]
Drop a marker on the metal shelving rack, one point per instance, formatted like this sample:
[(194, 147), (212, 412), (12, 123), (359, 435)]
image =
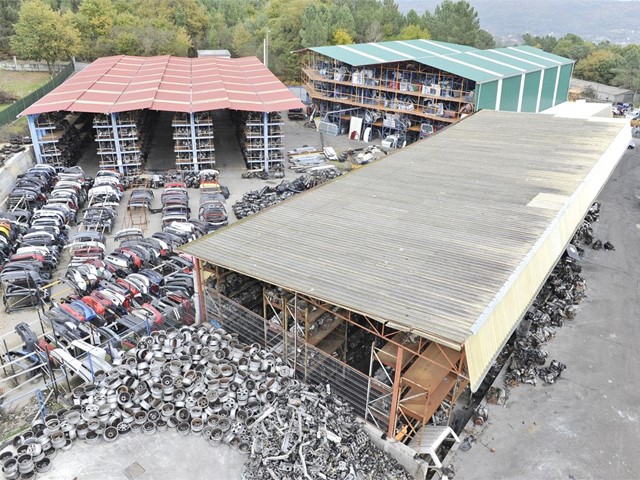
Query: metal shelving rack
[(57, 137), (120, 141), (262, 140), (418, 94), (315, 327), (194, 141)]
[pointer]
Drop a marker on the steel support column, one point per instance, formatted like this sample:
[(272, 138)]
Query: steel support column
[(393, 412)]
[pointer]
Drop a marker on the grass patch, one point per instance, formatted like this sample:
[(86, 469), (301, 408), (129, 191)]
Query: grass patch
[(16, 431), (21, 84), (20, 127)]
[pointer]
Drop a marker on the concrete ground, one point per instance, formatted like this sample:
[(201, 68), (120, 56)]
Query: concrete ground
[(135, 456), (587, 425)]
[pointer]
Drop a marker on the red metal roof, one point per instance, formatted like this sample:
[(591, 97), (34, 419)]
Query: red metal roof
[(173, 84)]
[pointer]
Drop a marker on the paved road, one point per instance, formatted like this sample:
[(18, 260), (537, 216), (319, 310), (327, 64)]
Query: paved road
[(586, 426)]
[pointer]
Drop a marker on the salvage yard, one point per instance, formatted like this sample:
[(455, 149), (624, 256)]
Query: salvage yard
[(240, 397)]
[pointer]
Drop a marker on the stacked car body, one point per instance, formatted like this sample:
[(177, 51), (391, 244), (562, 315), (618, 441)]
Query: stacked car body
[(213, 205), (175, 203), (140, 287), (103, 201), (42, 206)]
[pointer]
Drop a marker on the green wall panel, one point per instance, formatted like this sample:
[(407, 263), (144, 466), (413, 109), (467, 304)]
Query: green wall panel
[(563, 83), (509, 94), (487, 95), (530, 93), (548, 88)]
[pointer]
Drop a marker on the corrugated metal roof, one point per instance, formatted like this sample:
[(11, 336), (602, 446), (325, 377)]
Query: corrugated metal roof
[(477, 65), (599, 87), (426, 238), (174, 84)]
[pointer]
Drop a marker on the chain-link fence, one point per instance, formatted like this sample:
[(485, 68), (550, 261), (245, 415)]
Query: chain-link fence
[(10, 113), (312, 364)]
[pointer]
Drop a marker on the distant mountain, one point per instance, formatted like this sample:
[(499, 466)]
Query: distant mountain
[(597, 20)]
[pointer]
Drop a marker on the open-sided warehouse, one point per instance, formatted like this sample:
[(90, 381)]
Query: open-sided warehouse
[(436, 252), (118, 95), (409, 88)]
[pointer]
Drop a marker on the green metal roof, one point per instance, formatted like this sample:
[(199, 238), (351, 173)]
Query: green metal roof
[(478, 65)]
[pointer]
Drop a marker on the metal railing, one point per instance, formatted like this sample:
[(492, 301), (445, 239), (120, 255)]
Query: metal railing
[(313, 365)]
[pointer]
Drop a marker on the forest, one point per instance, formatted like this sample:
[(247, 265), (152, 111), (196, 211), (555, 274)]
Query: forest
[(54, 30)]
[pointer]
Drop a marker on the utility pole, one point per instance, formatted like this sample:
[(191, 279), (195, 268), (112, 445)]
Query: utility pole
[(265, 50)]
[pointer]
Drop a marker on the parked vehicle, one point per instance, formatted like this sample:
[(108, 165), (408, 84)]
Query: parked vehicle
[(296, 114)]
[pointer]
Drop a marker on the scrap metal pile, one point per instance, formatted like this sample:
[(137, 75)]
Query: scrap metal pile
[(256, 200), (201, 381), (309, 433), (557, 302)]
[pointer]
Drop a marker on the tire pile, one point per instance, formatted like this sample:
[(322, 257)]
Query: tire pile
[(15, 145)]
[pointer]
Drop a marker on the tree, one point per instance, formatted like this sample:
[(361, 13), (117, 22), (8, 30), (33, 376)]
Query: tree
[(367, 15), (8, 17), (220, 33), (94, 19), (243, 44), (457, 22), (412, 18), (627, 73), (589, 92), (413, 32), (284, 23), (315, 26), (341, 37), (546, 43), (342, 19), (391, 20), (484, 40), (598, 66), (42, 34), (572, 46)]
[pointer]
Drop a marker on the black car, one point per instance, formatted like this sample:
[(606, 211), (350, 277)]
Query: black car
[(296, 114)]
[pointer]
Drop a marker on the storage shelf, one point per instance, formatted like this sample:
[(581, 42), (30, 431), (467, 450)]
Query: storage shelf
[(128, 136), (261, 135), (193, 141), (460, 95), (419, 96), (389, 352), (322, 333), (429, 384), (333, 342), (58, 137)]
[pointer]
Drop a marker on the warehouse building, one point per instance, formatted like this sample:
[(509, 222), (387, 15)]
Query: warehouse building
[(411, 88), (399, 283), (117, 100), (601, 92)]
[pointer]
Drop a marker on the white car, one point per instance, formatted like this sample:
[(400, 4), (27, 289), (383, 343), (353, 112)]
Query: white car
[(633, 114)]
